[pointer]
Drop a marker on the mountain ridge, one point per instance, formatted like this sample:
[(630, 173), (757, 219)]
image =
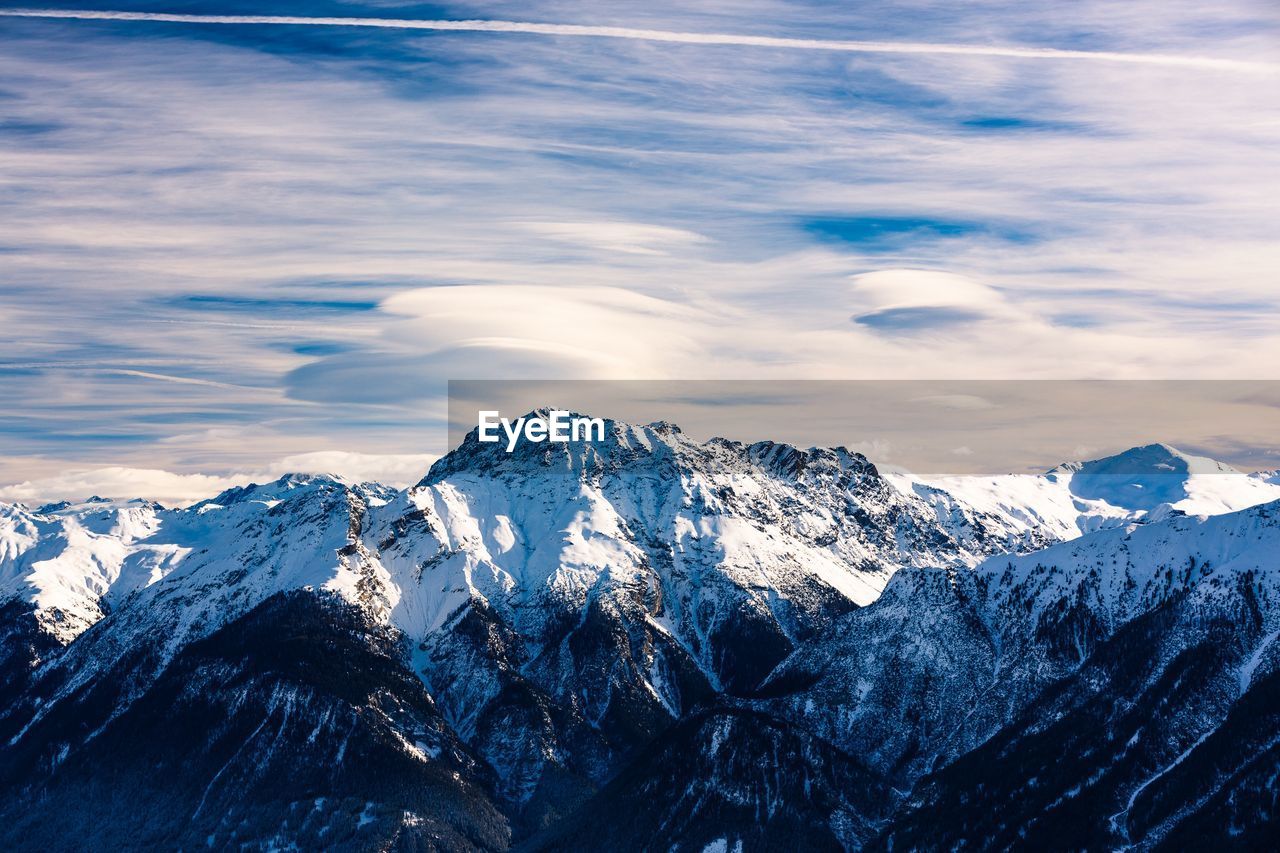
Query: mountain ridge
[(566, 611)]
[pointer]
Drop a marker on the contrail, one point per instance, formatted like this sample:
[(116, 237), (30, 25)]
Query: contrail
[(1201, 62)]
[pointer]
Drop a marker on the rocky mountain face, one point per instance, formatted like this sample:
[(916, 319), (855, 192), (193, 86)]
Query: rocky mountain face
[(1047, 699), (651, 643), (295, 724)]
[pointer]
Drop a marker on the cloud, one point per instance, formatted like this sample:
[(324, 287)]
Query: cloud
[(392, 469), (958, 402), (917, 317), (577, 30), (905, 301), (181, 380), (582, 323), (510, 332), (120, 482), (878, 451), (1091, 230), (627, 237), (175, 489)]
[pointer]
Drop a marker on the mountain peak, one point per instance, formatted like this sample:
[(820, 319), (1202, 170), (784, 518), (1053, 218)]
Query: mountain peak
[(621, 441), (1142, 478), (1158, 458), (659, 443), (274, 489), (1146, 458)]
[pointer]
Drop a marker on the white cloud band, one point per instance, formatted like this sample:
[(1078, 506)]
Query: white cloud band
[(844, 46)]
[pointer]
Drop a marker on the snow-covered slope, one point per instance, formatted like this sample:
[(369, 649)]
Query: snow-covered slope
[(73, 562), (1157, 475), (565, 602), (1079, 497), (551, 524), (945, 660), (1156, 725), (621, 583), (1272, 476), (77, 562), (1122, 573), (565, 605), (547, 523)]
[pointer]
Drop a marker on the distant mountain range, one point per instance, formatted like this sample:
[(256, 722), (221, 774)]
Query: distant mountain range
[(651, 643)]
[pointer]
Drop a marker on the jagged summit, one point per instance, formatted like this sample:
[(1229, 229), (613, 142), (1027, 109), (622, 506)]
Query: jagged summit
[(292, 487), (630, 446), (282, 484), (622, 442)]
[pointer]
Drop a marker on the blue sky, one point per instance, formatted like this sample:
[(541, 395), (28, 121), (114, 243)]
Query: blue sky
[(230, 248)]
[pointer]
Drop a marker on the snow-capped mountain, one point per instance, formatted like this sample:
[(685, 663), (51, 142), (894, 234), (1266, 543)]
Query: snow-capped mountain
[(565, 603), (1147, 482), (1272, 477), (525, 633)]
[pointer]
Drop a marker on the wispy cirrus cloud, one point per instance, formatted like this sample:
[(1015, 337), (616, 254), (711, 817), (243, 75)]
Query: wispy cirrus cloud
[(638, 34), (272, 207), (626, 237)]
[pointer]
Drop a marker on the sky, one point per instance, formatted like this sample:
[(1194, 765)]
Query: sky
[(231, 250)]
